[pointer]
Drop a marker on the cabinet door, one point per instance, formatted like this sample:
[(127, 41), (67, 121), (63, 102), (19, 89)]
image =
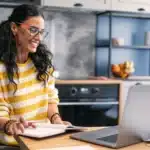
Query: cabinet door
[(96, 4), (131, 5), (88, 4), (135, 1), (59, 3)]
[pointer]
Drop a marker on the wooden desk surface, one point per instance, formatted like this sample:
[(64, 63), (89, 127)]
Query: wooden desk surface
[(65, 141)]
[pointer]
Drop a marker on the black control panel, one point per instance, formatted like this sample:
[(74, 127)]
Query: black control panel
[(75, 92)]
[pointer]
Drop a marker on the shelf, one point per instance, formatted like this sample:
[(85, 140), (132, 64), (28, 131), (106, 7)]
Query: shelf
[(124, 47), (115, 25), (138, 15)]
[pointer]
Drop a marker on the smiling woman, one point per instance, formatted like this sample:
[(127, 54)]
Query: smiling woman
[(27, 87), (28, 33)]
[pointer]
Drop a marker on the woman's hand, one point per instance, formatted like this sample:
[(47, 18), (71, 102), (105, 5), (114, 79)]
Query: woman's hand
[(17, 127), (58, 120), (67, 123)]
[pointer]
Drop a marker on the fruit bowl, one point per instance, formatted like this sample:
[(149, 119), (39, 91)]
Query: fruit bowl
[(123, 76), (122, 70)]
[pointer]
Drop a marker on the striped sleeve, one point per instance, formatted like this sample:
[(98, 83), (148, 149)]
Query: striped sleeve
[(4, 106), (53, 92)]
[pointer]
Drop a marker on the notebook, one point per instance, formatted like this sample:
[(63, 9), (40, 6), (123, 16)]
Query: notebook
[(45, 130)]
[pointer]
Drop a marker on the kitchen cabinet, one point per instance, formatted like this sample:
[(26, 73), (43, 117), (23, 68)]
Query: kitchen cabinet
[(87, 4), (58, 3), (99, 5), (131, 5), (19, 2)]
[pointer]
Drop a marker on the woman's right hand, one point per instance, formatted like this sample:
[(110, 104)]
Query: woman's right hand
[(17, 127)]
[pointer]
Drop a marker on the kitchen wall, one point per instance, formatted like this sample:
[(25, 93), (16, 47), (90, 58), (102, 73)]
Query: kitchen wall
[(71, 39), (4, 13)]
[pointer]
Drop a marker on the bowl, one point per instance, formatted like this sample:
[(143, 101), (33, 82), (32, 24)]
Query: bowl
[(122, 76)]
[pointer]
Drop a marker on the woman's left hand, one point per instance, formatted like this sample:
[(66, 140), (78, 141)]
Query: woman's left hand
[(58, 120), (67, 123)]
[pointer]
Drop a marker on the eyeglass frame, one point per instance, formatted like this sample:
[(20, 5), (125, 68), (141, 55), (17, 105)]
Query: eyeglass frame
[(38, 30)]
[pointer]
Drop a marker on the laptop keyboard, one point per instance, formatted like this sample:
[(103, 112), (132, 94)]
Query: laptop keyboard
[(110, 138)]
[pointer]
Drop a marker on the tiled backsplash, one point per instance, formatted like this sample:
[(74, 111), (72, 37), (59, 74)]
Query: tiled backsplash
[(71, 39)]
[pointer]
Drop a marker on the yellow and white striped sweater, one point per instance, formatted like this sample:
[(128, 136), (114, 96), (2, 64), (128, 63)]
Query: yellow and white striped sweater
[(29, 101)]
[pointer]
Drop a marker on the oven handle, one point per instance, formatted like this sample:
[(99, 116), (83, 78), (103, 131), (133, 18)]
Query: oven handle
[(88, 103)]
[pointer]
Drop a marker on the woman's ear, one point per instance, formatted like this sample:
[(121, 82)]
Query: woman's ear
[(14, 28)]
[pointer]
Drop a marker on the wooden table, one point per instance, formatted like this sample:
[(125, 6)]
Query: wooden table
[(65, 141)]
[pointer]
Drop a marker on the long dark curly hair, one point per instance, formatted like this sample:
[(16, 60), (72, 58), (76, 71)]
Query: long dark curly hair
[(8, 51)]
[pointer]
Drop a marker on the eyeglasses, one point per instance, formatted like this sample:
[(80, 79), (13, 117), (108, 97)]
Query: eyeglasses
[(34, 30)]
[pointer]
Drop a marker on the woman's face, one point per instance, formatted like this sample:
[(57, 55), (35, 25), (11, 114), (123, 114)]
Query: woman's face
[(29, 34)]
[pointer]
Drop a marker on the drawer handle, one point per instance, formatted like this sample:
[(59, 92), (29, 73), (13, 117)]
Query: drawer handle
[(78, 5), (141, 9)]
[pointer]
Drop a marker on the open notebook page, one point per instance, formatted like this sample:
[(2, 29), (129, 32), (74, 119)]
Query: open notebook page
[(41, 132), (45, 129)]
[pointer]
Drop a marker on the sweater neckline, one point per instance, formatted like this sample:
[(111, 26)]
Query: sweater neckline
[(25, 63)]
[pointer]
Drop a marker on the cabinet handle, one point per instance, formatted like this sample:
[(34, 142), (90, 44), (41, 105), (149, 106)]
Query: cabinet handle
[(78, 5), (141, 9)]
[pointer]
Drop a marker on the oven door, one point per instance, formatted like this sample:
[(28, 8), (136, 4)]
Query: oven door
[(90, 113)]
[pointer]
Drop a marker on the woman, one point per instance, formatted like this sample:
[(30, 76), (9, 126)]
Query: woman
[(27, 91)]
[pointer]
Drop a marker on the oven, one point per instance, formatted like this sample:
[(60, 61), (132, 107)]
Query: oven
[(89, 104)]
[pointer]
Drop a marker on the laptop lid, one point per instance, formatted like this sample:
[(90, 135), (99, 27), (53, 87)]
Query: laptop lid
[(134, 125), (135, 118)]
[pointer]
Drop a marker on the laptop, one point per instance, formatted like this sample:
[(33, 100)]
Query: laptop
[(134, 126)]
